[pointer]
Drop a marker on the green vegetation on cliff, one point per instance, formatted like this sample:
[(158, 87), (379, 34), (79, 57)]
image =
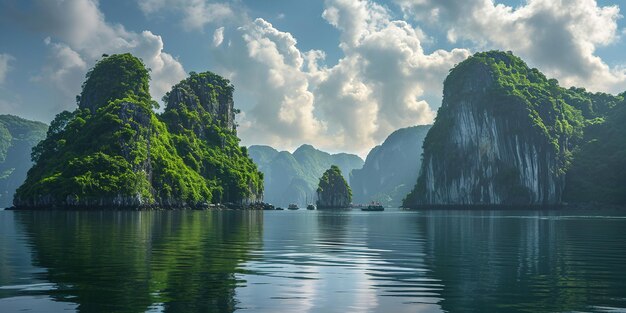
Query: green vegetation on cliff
[(114, 151), (520, 111), (116, 77), (333, 190), (200, 117), (17, 138), (515, 89), (598, 171)]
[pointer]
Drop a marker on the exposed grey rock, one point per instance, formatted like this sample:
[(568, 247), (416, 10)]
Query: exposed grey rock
[(488, 152), (391, 169)]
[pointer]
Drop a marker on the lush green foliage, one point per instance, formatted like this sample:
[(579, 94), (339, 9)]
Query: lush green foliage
[(120, 153), (22, 129), (204, 141), (333, 188), (17, 138), (123, 150), (515, 89), (116, 77), (598, 171), (206, 84)]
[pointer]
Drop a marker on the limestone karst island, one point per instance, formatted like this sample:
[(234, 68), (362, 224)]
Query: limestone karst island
[(114, 151), (505, 134), (227, 156)]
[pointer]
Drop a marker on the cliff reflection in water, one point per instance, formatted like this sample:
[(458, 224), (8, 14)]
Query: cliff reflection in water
[(137, 261), (314, 261), (527, 261)]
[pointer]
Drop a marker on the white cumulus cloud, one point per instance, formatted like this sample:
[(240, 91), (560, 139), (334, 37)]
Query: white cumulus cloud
[(63, 73), (196, 13), (559, 37), (79, 35), (266, 63), (218, 36), (5, 59), (381, 83)]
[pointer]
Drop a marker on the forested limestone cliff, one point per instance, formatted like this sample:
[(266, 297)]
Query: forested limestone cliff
[(505, 134), (114, 151)]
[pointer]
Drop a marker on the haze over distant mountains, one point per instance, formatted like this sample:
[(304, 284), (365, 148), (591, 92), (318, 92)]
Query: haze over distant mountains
[(293, 178), (387, 175), (390, 170), (17, 137)]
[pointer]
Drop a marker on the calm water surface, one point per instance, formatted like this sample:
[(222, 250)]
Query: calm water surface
[(313, 261)]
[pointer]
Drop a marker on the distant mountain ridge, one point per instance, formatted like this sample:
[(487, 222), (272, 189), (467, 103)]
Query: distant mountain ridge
[(18, 136), (390, 169), (293, 178)]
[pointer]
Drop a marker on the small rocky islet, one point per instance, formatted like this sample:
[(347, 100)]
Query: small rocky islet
[(293, 177), (333, 191)]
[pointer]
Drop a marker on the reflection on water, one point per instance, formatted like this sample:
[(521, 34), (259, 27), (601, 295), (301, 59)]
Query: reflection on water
[(313, 261), (138, 261), (532, 262)]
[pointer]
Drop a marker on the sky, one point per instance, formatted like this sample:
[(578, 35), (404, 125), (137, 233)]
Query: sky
[(339, 74)]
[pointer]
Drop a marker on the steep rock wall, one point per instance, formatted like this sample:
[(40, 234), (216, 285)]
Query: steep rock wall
[(501, 137), (200, 114), (391, 169)]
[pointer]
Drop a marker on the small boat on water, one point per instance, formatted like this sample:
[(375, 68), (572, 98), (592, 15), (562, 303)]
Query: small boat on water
[(374, 206), (279, 209), (309, 206), (293, 206)]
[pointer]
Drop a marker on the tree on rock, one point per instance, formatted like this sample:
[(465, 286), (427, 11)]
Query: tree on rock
[(333, 190)]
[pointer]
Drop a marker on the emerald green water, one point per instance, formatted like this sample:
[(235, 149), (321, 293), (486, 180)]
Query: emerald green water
[(313, 261)]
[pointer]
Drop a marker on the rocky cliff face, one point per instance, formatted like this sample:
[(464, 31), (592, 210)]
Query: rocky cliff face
[(502, 136), (333, 191), (391, 169)]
